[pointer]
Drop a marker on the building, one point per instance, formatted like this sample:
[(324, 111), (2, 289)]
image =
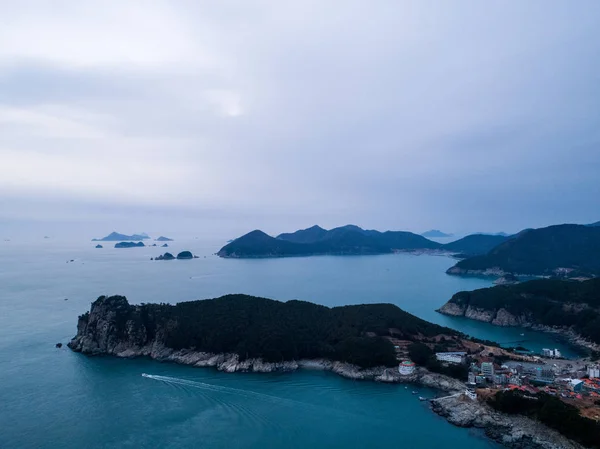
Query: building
[(471, 377), (470, 392), (593, 371), (500, 379), (487, 369), (451, 357), (406, 368), (554, 353), (544, 374), (576, 385)]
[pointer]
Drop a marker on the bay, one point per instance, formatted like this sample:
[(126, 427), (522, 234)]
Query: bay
[(53, 398)]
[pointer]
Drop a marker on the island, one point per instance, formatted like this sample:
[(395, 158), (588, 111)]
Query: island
[(116, 237), (164, 246), (435, 233), (165, 256), (163, 239), (185, 255), (129, 245), (568, 307), (99, 246), (567, 251), (346, 240)]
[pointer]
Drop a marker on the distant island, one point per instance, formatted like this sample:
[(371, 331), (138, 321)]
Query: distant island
[(184, 255), (566, 250), (163, 239), (345, 240), (129, 245), (571, 307), (116, 237), (165, 256), (99, 246), (435, 233)]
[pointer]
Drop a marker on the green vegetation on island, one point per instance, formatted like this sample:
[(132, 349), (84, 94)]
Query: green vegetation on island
[(255, 328), (563, 250), (345, 240), (475, 244), (129, 245), (549, 302)]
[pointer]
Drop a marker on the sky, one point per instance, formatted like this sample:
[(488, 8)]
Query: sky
[(223, 117)]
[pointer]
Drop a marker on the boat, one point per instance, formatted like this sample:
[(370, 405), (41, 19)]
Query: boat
[(522, 335), (421, 398), (406, 388), (414, 392)]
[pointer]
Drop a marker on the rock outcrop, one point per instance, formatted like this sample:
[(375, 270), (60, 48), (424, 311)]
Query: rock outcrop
[(510, 430)]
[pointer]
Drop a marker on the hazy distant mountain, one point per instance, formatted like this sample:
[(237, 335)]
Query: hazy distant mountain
[(475, 244), (345, 240), (595, 224), (310, 235), (502, 234), (567, 250), (163, 239), (116, 237), (435, 233)]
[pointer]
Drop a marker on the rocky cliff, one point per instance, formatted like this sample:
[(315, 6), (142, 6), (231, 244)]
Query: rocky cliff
[(498, 317), (510, 430)]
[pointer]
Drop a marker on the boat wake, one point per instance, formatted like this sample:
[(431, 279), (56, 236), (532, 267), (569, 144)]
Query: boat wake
[(276, 400)]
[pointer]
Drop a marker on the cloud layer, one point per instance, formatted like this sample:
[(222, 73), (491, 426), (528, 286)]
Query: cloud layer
[(462, 115)]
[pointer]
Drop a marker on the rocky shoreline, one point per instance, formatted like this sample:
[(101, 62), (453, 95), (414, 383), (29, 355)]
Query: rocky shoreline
[(502, 317), (512, 431), (231, 363)]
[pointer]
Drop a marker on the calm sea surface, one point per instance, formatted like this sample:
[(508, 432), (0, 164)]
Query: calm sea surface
[(53, 398)]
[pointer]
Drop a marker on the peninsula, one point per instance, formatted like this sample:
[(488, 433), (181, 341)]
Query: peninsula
[(364, 342), (566, 250), (569, 307), (347, 240), (251, 329)]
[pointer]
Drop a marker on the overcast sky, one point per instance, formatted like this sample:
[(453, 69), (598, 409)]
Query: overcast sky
[(225, 116)]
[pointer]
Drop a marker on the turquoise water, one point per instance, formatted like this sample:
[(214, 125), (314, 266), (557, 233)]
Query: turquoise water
[(53, 398)]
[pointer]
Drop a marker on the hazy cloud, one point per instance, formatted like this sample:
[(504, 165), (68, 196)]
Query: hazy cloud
[(460, 115)]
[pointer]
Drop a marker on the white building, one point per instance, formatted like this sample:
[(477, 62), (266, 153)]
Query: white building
[(487, 369), (470, 392), (593, 371), (555, 353), (406, 368), (451, 357)]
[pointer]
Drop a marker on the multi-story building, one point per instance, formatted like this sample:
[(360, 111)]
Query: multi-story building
[(451, 357), (487, 369), (593, 371)]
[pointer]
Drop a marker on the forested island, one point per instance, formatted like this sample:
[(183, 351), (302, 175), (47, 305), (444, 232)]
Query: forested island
[(563, 304), (251, 328), (348, 240), (129, 245), (566, 250)]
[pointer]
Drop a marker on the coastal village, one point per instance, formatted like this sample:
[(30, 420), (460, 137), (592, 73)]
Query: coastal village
[(491, 369)]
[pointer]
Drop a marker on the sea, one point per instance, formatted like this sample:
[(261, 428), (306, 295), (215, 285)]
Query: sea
[(54, 398)]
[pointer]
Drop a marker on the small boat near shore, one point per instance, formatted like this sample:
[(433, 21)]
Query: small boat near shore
[(421, 398)]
